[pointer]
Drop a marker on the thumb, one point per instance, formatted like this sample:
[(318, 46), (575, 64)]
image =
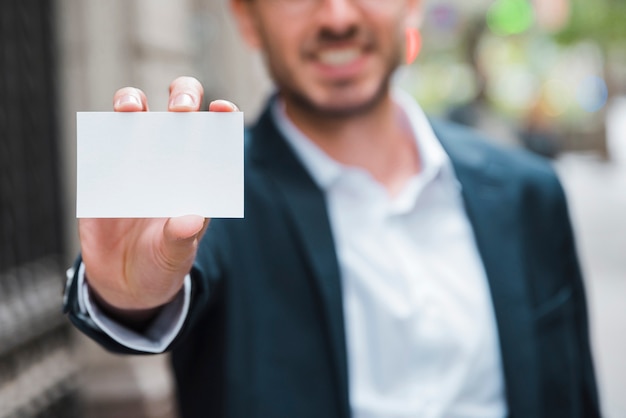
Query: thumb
[(181, 236)]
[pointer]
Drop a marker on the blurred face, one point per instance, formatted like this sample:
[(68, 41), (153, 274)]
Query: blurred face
[(333, 57)]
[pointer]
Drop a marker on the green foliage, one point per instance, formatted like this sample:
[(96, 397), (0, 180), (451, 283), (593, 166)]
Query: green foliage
[(602, 21), (508, 17)]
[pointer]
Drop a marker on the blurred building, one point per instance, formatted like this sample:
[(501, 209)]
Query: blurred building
[(36, 367)]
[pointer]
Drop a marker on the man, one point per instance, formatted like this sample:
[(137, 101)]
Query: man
[(383, 269)]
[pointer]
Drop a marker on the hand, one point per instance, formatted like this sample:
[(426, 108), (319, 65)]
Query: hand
[(134, 266)]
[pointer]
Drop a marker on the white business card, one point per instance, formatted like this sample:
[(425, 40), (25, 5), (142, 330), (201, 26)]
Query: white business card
[(159, 164)]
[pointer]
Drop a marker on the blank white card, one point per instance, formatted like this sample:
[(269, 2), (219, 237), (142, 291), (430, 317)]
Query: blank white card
[(159, 164)]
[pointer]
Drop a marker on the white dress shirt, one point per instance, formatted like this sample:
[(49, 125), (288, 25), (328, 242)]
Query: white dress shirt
[(420, 328)]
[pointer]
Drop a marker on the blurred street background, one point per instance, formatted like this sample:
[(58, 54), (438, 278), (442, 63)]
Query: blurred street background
[(547, 76)]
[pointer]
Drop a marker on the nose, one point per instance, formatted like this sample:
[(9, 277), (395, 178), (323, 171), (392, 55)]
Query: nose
[(339, 16)]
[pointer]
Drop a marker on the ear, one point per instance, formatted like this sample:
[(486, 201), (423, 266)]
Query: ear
[(415, 14), (244, 16)]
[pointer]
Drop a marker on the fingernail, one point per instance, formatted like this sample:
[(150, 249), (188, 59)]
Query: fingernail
[(183, 100), (229, 104), (128, 98)]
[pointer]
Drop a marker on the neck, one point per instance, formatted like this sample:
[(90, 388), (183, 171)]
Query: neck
[(379, 140)]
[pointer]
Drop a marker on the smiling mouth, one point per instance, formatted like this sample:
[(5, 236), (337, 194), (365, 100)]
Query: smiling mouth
[(339, 57)]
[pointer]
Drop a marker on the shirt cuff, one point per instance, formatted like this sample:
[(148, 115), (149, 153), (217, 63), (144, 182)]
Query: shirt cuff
[(157, 337)]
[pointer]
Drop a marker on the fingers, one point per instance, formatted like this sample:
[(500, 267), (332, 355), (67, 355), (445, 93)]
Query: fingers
[(222, 106), (130, 99), (185, 95)]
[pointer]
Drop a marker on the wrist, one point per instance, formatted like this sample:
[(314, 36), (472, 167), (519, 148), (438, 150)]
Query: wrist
[(137, 319)]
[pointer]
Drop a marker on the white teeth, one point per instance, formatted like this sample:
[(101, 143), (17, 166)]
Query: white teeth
[(339, 57)]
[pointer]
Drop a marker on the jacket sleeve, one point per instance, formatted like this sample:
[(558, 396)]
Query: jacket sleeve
[(202, 277)]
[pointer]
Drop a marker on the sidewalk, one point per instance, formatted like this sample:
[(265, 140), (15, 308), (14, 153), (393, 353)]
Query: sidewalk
[(597, 196)]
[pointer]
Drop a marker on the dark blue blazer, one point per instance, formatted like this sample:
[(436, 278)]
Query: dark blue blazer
[(265, 335)]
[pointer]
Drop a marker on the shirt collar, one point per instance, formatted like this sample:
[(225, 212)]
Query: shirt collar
[(325, 171)]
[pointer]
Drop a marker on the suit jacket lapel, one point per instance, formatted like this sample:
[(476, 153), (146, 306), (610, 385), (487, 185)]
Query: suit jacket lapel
[(307, 213), (493, 206)]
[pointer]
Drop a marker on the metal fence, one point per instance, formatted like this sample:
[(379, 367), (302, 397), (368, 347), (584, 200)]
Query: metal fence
[(36, 365)]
